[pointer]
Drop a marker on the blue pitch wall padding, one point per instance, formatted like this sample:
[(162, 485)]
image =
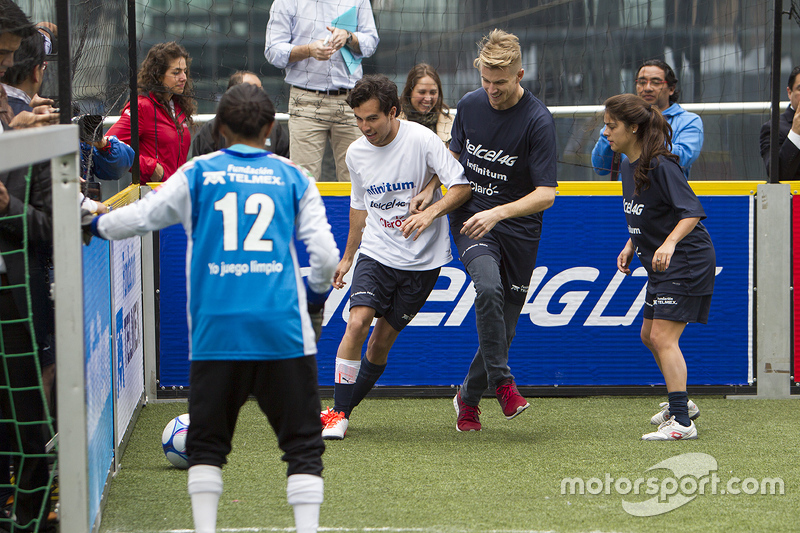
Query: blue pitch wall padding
[(173, 364), (99, 379), (563, 337)]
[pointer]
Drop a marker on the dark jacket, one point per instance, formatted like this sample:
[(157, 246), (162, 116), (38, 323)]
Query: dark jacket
[(788, 155), (39, 214), (205, 143), (21, 371), (18, 105)]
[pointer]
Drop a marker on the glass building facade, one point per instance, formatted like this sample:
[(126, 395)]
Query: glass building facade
[(576, 52)]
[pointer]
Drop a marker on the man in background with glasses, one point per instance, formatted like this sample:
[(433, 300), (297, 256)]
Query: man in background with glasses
[(657, 85)]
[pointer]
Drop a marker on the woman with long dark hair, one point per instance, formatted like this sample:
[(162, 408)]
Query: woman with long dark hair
[(421, 101), (663, 216), (165, 112)]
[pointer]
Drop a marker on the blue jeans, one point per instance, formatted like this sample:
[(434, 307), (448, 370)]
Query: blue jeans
[(496, 323)]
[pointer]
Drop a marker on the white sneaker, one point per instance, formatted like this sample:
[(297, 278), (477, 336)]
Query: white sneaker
[(663, 415), (334, 425), (671, 430)]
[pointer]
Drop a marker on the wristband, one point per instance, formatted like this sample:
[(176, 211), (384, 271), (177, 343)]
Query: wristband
[(93, 227), (316, 300)]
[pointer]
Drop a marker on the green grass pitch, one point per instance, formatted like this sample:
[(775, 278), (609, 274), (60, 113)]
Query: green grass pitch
[(404, 467)]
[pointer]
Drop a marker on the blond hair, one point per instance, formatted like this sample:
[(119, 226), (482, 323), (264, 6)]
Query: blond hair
[(499, 49)]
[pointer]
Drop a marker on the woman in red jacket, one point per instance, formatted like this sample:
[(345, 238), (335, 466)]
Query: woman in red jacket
[(165, 112)]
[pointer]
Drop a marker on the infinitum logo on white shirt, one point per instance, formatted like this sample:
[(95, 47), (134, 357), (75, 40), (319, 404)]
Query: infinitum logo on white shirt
[(388, 187)]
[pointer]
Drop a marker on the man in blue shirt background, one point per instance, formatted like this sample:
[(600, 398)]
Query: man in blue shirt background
[(657, 84)]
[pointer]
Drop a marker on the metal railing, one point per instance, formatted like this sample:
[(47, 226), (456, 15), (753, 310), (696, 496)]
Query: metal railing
[(575, 111)]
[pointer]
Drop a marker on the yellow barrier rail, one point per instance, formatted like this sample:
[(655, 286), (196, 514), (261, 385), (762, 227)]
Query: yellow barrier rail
[(126, 196), (609, 188), (565, 188)]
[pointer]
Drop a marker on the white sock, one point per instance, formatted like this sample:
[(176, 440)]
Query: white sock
[(205, 488), (304, 493), (346, 371)]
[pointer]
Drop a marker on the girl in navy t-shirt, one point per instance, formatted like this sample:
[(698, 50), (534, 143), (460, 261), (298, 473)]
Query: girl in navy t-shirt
[(663, 216)]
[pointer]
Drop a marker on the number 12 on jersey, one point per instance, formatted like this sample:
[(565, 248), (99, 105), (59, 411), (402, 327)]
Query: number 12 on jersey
[(256, 204)]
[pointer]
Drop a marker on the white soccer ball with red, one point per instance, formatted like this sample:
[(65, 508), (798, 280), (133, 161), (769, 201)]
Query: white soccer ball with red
[(173, 440)]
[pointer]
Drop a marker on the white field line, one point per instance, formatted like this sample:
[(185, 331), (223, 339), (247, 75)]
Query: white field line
[(346, 530), (386, 529)]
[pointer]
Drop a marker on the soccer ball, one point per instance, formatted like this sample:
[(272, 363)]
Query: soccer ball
[(173, 440)]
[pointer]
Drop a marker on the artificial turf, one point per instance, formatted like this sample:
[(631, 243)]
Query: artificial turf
[(404, 467)]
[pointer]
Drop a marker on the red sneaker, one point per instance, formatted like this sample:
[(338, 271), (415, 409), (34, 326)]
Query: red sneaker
[(510, 399), (467, 415)]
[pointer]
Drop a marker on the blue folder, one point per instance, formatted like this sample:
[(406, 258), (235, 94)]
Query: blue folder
[(348, 21)]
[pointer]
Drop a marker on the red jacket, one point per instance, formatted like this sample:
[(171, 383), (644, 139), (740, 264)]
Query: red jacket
[(160, 140)]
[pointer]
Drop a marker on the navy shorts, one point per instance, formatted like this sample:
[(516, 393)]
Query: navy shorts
[(516, 257), (677, 307), (396, 295)]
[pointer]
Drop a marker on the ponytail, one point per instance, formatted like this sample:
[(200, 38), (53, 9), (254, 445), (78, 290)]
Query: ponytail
[(653, 133), (656, 141)]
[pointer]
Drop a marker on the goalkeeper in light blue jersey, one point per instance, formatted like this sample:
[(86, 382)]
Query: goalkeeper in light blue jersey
[(250, 311)]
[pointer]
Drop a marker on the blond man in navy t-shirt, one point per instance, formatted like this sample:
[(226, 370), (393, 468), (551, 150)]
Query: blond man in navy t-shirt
[(505, 139)]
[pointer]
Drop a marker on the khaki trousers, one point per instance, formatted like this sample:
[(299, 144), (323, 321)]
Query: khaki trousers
[(315, 118)]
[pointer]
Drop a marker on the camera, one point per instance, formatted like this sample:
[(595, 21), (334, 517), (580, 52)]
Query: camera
[(91, 190), (91, 127)]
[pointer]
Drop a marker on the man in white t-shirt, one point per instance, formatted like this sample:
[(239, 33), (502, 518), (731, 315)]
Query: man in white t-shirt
[(400, 254)]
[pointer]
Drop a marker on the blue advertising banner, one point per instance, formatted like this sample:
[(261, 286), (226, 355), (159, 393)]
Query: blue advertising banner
[(97, 342), (127, 323), (579, 327)]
